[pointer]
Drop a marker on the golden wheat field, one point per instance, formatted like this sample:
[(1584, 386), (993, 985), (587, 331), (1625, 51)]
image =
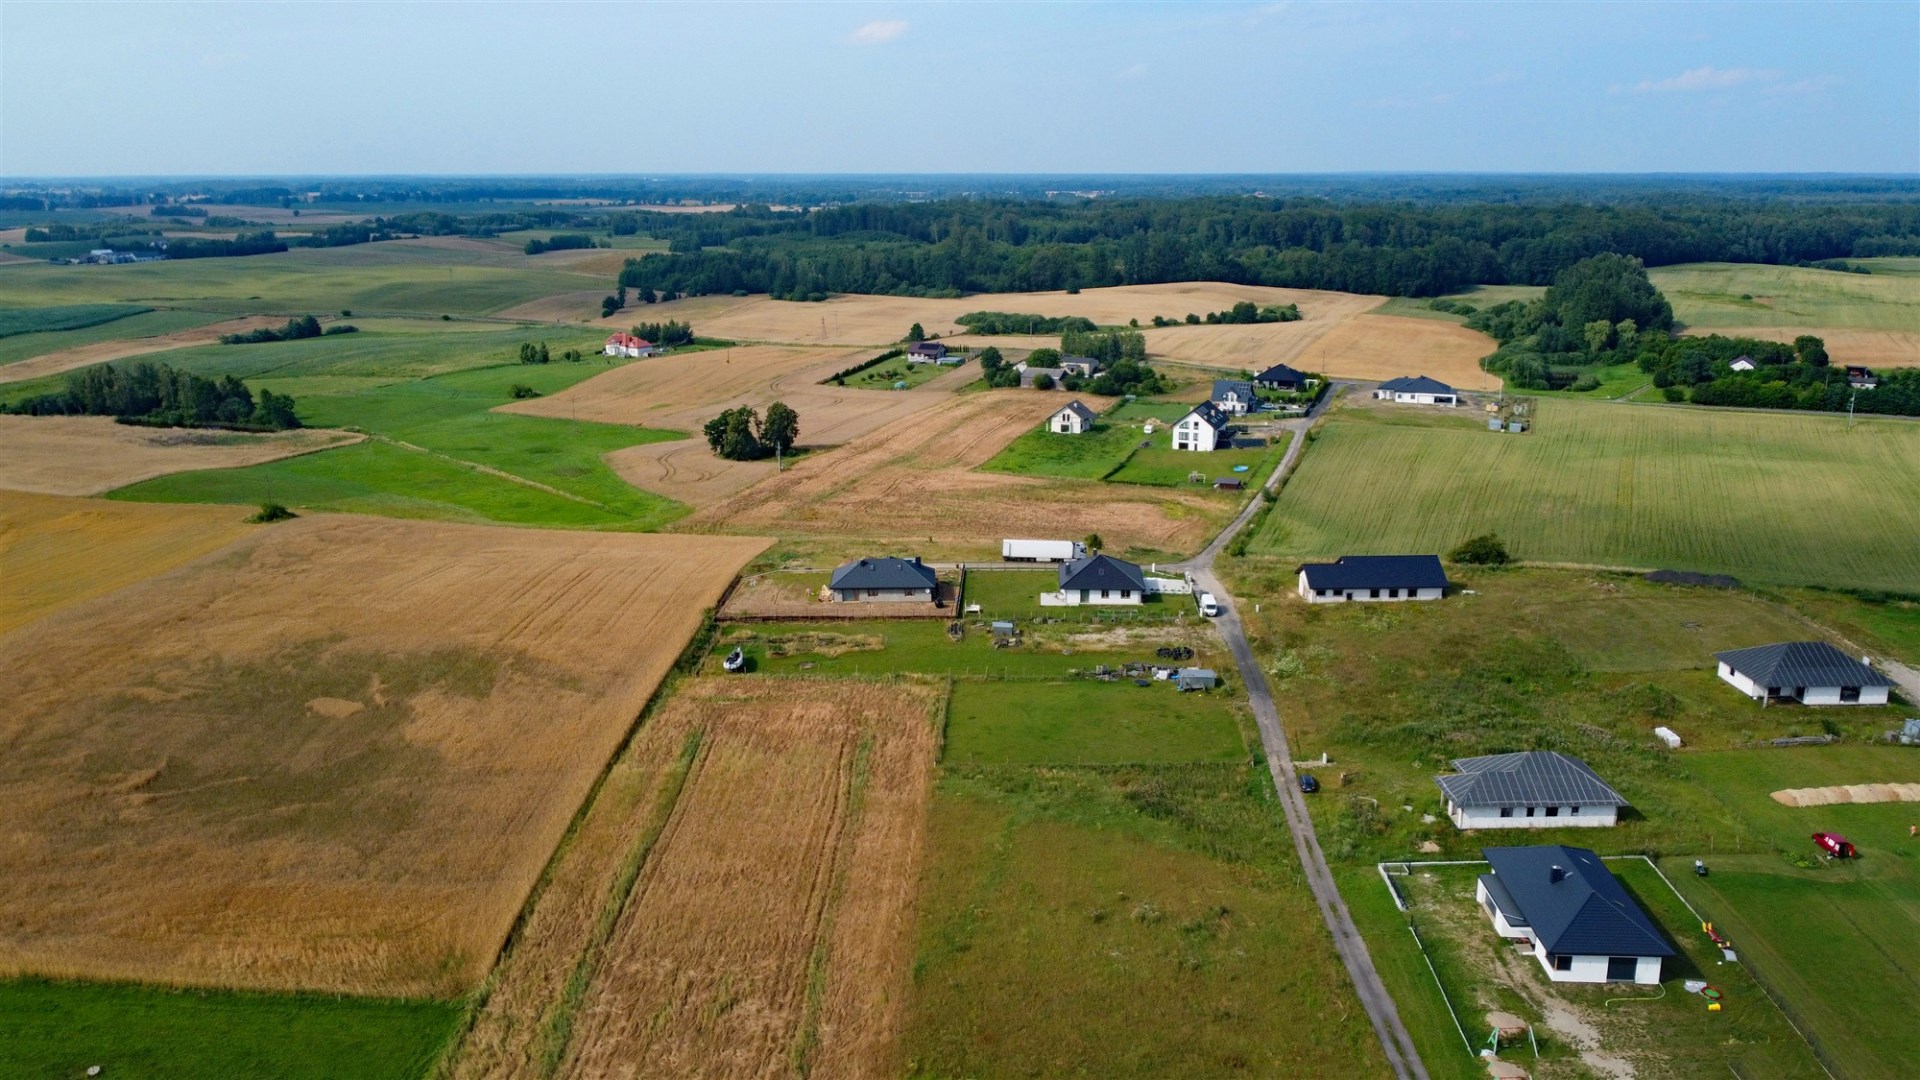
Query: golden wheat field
[(1259, 345), (100, 352), (57, 551), (1387, 346), (738, 899), (913, 481), (87, 455), (334, 756)]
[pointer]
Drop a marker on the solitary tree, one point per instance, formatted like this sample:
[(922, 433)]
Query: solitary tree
[(739, 443), (916, 335), (1093, 542), (1811, 350), (1484, 550), (781, 429)]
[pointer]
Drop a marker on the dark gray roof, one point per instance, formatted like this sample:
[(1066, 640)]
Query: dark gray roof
[(1415, 384), (1210, 414), (1079, 410), (1377, 572), (1801, 663), (1503, 900), (1101, 572), (1090, 363), (1280, 373), (1574, 904), (884, 572), (927, 347), (1530, 778), (1221, 387)]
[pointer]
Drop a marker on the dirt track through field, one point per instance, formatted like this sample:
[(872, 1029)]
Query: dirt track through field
[(333, 756), (1848, 793), (767, 931), (88, 455), (100, 352)]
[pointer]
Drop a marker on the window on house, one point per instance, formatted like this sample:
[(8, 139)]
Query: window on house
[(1529, 811), (1622, 968), (1373, 594), (1104, 594), (1573, 811), (1849, 693), (1506, 811), (1563, 962), (1126, 594), (873, 592), (1553, 811)]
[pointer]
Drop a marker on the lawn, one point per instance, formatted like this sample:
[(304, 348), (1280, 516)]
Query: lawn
[(442, 454), (1015, 594), (1087, 722), (1719, 491), (887, 376), (1122, 922), (1885, 624), (1093, 455), (59, 1030), (1165, 467), (1050, 651)]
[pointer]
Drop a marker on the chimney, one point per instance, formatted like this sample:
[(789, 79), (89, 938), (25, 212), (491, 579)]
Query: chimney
[(1556, 875), (916, 560)]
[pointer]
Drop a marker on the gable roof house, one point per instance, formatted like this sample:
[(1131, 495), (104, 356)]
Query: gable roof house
[(1861, 378), (1742, 363), (1029, 374), (1100, 579), (1373, 577), (1810, 672), (1084, 366), (1417, 390), (1205, 428), (885, 579), (1534, 789), (1072, 419), (1234, 397), (629, 345), (1280, 377), (1565, 903), (926, 352)]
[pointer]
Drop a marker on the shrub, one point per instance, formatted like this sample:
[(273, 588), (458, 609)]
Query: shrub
[(1484, 550), (271, 512), (520, 391)]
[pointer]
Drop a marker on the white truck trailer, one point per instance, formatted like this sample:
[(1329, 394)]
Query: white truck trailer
[(1042, 550)]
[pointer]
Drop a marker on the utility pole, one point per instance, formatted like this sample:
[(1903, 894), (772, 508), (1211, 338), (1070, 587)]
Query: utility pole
[(1851, 398)]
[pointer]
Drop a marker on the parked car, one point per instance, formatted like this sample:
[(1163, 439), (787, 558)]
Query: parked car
[(1208, 605), (1308, 784), (1836, 845)]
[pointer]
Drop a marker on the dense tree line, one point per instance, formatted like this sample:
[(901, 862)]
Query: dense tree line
[(1597, 311), (1796, 376), (742, 435), (1107, 346), (151, 393), (1004, 322), (665, 334), (559, 242), (179, 210), (200, 247), (306, 326), (1247, 312)]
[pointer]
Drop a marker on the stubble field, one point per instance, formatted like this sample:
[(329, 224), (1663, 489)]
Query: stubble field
[(88, 455), (205, 789)]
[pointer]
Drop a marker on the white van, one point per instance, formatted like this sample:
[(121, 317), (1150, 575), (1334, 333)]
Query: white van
[(1208, 605)]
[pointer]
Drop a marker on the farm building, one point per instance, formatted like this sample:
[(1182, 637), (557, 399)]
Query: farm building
[(1072, 419), (1861, 378), (1234, 397), (1283, 378), (1084, 366), (1582, 926), (885, 579), (630, 346), (1417, 390), (1810, 672), (1195, 678), (1029, 374), (1373, 577), (1100, 579), (1536, 789), (1205, 428), (926, 352), (1742, 363)]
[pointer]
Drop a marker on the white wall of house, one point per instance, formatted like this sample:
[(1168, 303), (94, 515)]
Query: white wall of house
[(1810, 695), (1232, 403), (1068, 422), (1077, 597), (1593, 969), (1341, 596), (884, 596), (1193, 433), (1418, 399), (1500, 924), (1544, 816)]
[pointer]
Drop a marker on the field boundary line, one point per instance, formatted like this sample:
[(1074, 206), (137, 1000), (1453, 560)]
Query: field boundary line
[(490, 471)]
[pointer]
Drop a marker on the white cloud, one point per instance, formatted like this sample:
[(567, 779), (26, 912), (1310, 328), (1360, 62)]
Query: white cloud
[(1705, 78), (879, 32)]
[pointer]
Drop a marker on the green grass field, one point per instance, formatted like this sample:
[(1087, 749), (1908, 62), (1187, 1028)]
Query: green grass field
[(1090, 456), (58, 1030), (450, 439), (1087, 722), (1716, 295), (1015, 594), (1165, 467), (15, 321), (26, 346), (1692, 489)]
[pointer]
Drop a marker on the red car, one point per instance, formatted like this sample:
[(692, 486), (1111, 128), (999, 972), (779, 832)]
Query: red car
[(1836, 845)]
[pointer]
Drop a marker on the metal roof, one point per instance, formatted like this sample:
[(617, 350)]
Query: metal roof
[(1573, 903), (1238, 386), (1530, 778), (1101, 572), (1203, 676), (1416, 384), (1079, 410), (1210, 415), (884, 572), (1280, 373), (1502, 899), (1801, 663), (1377, 572)]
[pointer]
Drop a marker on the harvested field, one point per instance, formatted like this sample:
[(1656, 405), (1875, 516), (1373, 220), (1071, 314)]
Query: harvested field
[(335, 757), (1848, 793), (1260, 345), (88, 455), (100, 352), (739, 899), (579, 306), (687, 471), (1387, 346), (914, 481), (58, 551), (1845, 344)]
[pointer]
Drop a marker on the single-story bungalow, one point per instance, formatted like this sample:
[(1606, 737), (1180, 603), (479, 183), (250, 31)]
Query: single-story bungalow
[(1564, 903), (1205, 428), (1417, 390), (1534, 789), (1281, 377), (1373, 577), (1101, 579), (1234, 397), (1810, 672), (1084, 366), (629, 345), (885, 579), (1072, 419), (926, 352)]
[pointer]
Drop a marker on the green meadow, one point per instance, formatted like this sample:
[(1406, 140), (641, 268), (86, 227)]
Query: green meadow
[(1090, 722), (26, 345), (1090, 456), (1731, 296)]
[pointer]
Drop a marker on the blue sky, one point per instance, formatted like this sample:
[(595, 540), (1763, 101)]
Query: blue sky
[(548, 88)]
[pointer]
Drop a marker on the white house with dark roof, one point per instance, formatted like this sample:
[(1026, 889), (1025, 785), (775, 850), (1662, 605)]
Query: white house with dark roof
[(885, 579), (1417, 390), (1572, 914), (1205, 428), (1283, 378), (1810, 672), (1098, 579), (1373, 577), (1084, 366), (1072, 419), (1234, 397), (926, 352), (1535, 789)]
